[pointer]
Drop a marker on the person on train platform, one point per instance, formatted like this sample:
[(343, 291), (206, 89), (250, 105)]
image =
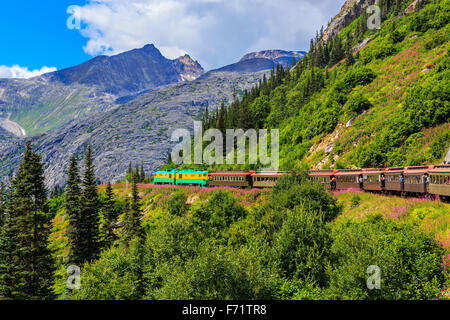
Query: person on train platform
[(402, 180), (333, 183), (383, 181), (426, 181), (361, 182)]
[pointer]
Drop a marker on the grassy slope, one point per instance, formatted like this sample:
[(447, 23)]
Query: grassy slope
[(396, 74), (426, 215)]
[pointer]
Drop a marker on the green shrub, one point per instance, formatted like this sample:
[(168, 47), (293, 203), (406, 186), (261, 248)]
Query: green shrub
[(177, 204), (359, 76), (410, 261), (302, 246), (297, 190), (357, 104), (356, 199)]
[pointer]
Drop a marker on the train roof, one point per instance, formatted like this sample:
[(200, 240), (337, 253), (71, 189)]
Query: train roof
[(417, 169), (441, 168), (374, 171), (192, 171), (268, 173), (169, 171), (322, 173), (230, 173), (395, 170), (349, 172)]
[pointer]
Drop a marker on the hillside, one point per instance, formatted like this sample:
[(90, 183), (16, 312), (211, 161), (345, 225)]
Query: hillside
[(253, 241), (364, 98)]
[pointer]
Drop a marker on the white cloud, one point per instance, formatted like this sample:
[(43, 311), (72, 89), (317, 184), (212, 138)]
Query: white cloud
[(19, 72), (216, 32)]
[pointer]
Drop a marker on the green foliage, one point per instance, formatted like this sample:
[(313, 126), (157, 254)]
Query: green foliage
[(216, 273), (219, 212), (357, 103), (356, 199), (302, 246), (297, 189), (26, 264), (132, 219), (116, 275), (109, 212), (177, 204), (440, 145), (89, 212), (410, 261), (73, 210), (359, 76)]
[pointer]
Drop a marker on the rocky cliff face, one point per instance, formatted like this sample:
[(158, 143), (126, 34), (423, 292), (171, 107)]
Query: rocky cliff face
[(349, 12)]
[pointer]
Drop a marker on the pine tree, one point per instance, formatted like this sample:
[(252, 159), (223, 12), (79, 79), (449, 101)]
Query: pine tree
[(136, 173), (142, 174), (11, 283), (73, 210), (132, 227), (90, 237), (27, 266), (350, 60), (2, 204), (110, 215), (130, 169)]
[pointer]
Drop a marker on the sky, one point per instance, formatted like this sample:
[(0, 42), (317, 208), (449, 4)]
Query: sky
[(44, 36)]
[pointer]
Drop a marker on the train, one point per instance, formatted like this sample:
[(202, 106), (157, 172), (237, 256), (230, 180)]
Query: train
[(411, 180)]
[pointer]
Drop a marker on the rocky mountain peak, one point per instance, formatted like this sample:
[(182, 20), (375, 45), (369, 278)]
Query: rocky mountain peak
[(188, 68), (350, 10), (273, 54)]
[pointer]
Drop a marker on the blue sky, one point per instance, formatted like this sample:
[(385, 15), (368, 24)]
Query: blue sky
[(35, 35), (215, 32)]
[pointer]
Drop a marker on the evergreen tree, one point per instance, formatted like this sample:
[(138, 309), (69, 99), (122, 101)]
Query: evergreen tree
[(130, 170), (89, 211), (73, 210), (11, 283), (132, 227), (2, 204), (110, 215), (137, 174), (350, 60), (26, 263), (142, 173)]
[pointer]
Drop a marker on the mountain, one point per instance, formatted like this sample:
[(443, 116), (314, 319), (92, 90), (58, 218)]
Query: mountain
[(46, 102), (130, 72), (277, 56), (251, 65), (140, 128), (262, 60)]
